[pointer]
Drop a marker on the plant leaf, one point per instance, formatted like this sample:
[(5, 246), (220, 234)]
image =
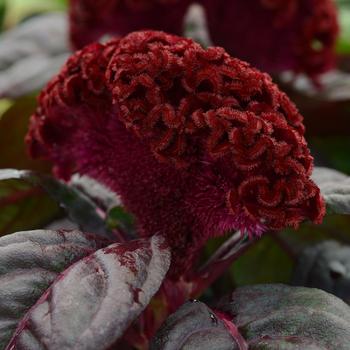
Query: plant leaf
[(29, 262), (325, 266), (98, 192), (92, 303), (80, 208), (118, 218), (29, 75), (323, 176), (193, 326), (260, 317), (284, 317), (32, 53), (46, 33), (335, 188)]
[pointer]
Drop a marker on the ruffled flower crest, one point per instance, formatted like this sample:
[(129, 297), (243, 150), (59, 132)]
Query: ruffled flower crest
[(197, 143)]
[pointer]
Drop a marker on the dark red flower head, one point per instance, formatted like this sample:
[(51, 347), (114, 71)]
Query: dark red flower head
[(197, 143), (276, 35), (92, 19)]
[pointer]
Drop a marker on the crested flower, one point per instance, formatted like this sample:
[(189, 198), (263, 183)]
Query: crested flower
[(275, 35), (90, 20), (195, 142)]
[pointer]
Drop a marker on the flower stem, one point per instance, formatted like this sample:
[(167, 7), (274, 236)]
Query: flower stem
[(230, 251)]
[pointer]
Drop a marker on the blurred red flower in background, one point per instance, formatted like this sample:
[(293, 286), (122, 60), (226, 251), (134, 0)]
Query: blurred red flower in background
[(90, 19), (197, 143), (276, 35), (273, 35)]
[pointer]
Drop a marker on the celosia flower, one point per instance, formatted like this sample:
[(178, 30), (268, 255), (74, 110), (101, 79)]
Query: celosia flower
[(276, 35), (197, 143), (92, 19)]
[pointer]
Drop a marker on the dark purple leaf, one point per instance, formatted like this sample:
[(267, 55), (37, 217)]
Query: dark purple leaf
[(31, 53), (93, 302), (325, 266), (260, 317), (326, 176), (29, 262), (283, 317), (194, 326), (96, 191), (335, 188)]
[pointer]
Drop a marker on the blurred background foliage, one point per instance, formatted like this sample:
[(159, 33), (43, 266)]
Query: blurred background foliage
[(272, 259), (13, 12), (343, 46)]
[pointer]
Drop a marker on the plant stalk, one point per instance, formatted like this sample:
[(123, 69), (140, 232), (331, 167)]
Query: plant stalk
[(230, 251)]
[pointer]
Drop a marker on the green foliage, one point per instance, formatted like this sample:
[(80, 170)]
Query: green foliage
[(13, 128), (119, 218), (334, 150), (18, 10), (78, 206), (343, 46), (265, 262), (2, 12), (24, 207), (4, 105)]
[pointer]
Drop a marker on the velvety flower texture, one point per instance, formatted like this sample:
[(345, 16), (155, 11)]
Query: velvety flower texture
[(276, 35), (92, 19), (196, 142)]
